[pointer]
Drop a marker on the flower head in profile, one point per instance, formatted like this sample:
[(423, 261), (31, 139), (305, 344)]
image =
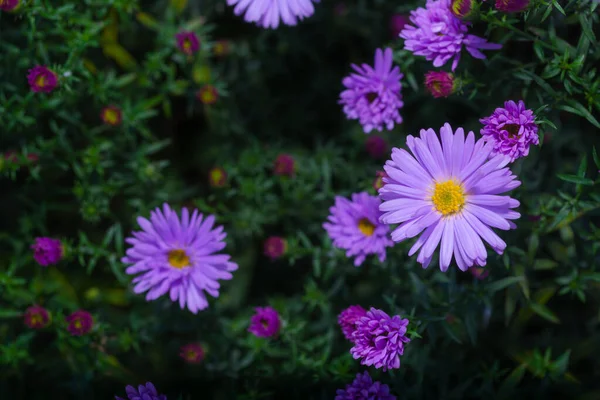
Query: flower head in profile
[(178, 255), (379, 339), (512, 6), (208, 94), (397, 23), (42, 79), (376, 146), (372, 94), (449, 193), (512, 129), (440, 83), (47, 251), (269, 13), (111, 115), (8, 5), (192, 353), (438, 35), (363, 388), (265, 322), (378, 182), (284, 165), (79, 323), (275, 247), (354, 226), (348, 318), (143, 392), (36, 317), (187, 42), (217, 177), (462, 8)]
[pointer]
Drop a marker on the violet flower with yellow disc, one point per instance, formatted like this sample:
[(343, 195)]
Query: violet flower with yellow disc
[(177, 255)]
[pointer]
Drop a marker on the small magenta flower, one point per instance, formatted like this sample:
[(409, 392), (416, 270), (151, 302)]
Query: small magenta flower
[(462, 8), (80, 323), (47, 251), (378, 182), (147, 392), (440, 83), (192, 353), (511, 129), (111, 115), (363, 388), (36, 317), (348, 318), (397, 23), (187, 42), (376, 146), (217, 177), (275, 247), (265, 322), (42, 79), (208, 94), (379, 339), (479, 273), (8, 5), (512, 6), (284, 165), (221, 48)]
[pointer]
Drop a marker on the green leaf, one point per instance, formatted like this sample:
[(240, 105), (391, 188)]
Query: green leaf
[(586, 27), (578, 109), (504, 283), (575, 179), (596, 158), (544, 264), (544, 312), (10, 313)]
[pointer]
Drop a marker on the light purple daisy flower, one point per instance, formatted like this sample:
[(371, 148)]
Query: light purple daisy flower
[(363, 388), (439, 36), (354, 226), (372, 94), (268, 13), (176, 255), (511, 129), (379, 339), (449, 192)]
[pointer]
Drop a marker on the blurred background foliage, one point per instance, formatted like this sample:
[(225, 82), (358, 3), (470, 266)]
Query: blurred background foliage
[(530, 329)]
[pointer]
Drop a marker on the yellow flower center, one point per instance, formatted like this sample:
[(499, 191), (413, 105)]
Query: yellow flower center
[(187, 45), (366, 227), (77, 324), (448, 197), (40, 81), (512, 129), (216, 176), (111, 117), (208, 96), (178, 259), (36, 319)]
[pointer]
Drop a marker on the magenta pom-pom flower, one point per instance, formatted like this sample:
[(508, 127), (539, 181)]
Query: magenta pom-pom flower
[(275, 247), (8, 5), (143, 392), (355, 227), (187, 42), (348, 318), (379, 339), (378, 182), (376, 146), (47, 251), (208, 94), (512, 129), (372, 94), (284, 165), (462, 8), (363, 388), (269, 13), (111, 115), (440, 83), (79, 323), (36, 317), (178, 256), (42, 79), (192, 353), (512, 6), (449, 193), (265, 322), (440, 36)]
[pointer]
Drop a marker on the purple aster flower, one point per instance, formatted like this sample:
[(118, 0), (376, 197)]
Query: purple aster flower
[(379, 339), (265, 322), (376, 146), (79, 323), (8, 5), (372, 94), (147, 392), (47, 251), (177, 256), (363, 388), (42, 79), (36, 317), (511, 129), (347, 319), (268, 13), (354, 226), (440, 83), (512, 6), (449, 192), (187, 42), (440, 36)]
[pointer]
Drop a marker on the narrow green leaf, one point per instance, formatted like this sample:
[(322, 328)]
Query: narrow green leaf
[(586, 27), (575, 179), (578, 109), (10, 313), (595, 156), (504, 283), (544, 312)]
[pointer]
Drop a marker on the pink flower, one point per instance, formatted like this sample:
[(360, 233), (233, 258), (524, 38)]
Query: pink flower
[(275, 247), (348, 318), (47, 251), (42, 79), (439, 83), (192, 353), (36, 317), (511, 6), (208, 94), (80, 323), (111, 115), (217, 177), (8, 5), (187, 42), (265, 323), (284, 165)]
